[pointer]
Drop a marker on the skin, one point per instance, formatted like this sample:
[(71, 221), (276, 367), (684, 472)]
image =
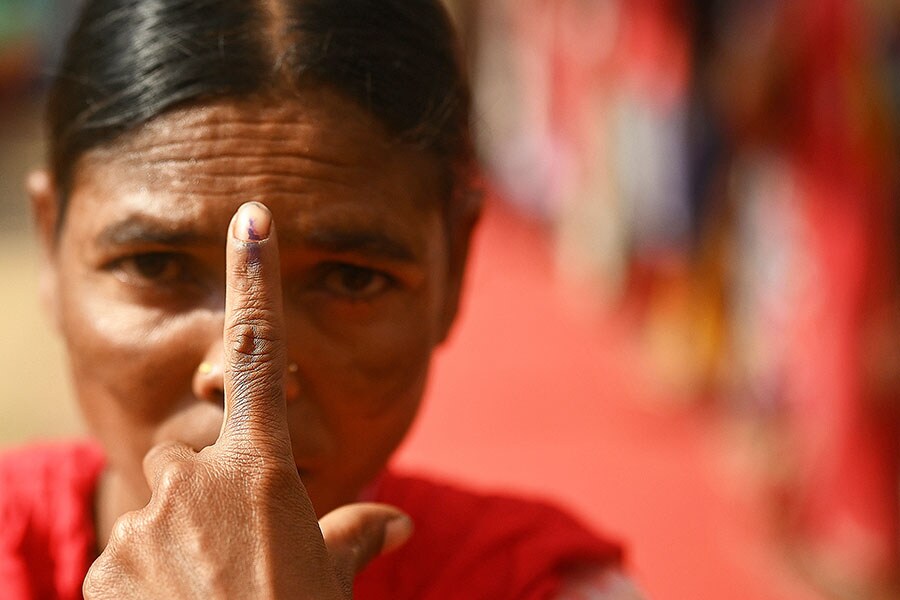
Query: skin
[(355, 289)]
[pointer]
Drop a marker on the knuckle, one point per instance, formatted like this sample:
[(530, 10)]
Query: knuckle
[(163, 453), (173, 477), (124, 529), (254, 336), (95, 580), (109, 573)]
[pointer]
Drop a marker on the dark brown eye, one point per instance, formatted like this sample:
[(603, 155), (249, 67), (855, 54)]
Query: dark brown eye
[(155, 266), (152, 267), (354, 282)]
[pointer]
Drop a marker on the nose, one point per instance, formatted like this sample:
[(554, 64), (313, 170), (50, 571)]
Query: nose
[(209, 376)]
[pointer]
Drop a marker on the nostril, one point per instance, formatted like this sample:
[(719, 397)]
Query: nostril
[(209, 383)]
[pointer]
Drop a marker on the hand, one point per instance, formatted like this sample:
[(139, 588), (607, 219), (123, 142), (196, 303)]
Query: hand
[(234, 520)]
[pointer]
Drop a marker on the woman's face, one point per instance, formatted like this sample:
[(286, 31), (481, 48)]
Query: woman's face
[(137, 276)]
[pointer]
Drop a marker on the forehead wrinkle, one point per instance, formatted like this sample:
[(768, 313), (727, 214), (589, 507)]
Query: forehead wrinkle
[(263, 184), (223, 147), (253, 167), (285, 148), (250, 140), (316, 129), (298, 127), (197, 149), (170, 154)]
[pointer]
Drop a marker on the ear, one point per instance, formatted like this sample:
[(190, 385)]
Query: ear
[(461, 223), (45, 212)]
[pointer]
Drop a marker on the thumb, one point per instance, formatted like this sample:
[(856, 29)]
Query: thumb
[(357, 533)]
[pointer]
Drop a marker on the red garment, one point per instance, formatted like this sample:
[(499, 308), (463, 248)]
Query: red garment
[(465, 546), (46, 521), (478, 547)]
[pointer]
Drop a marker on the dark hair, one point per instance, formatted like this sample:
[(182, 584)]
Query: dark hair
[(129, 61)]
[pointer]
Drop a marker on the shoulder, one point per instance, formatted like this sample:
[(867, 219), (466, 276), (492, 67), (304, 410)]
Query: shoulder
[(48, 457), (40, 483), (484, 517), (39, 470), (46, 497), (498, 544)]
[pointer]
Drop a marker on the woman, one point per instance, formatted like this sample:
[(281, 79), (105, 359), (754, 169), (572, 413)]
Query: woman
[(325, 146)]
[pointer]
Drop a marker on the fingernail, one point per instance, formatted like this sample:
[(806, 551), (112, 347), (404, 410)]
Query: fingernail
[(253, 223), (396, 532)]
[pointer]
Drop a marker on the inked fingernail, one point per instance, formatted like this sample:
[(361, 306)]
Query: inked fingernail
[(253, 223)]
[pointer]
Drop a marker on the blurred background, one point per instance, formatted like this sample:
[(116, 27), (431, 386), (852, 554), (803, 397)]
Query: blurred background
[(683, 313)]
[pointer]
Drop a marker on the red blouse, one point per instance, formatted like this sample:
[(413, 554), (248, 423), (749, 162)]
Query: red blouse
[(465, 545)]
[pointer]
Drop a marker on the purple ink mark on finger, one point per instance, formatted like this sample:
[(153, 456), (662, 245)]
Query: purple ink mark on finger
[(253, 250), (251, 231)]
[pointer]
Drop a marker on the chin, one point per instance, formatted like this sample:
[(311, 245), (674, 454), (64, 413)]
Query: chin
[(325, 498)]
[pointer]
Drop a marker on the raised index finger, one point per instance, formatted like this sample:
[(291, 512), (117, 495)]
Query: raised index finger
[(255, 412)]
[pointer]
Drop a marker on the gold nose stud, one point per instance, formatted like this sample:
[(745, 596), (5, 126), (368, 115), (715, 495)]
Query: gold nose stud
[(206, 368)]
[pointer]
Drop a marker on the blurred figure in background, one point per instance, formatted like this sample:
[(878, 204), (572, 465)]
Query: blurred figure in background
[(791, 175), (19, 22), (585, 109), (809, 200), (30, 37), (727, 170)]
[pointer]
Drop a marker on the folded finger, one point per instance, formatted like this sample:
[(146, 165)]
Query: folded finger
[(357, 533), (163, 459)]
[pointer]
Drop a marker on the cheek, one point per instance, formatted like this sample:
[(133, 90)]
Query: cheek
[(130, 364), (369, 437), (367, 364), (363, 382), (379, 360), (363, 445)]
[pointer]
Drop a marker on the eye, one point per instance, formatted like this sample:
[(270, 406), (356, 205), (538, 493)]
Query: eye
[(162, 268), (355, 282)]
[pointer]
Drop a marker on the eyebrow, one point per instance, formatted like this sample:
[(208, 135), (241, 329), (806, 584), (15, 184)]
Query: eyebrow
[(367, 242), (142, 230)]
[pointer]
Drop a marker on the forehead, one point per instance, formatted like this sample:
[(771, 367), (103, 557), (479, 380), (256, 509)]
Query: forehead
[(314, 157)]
